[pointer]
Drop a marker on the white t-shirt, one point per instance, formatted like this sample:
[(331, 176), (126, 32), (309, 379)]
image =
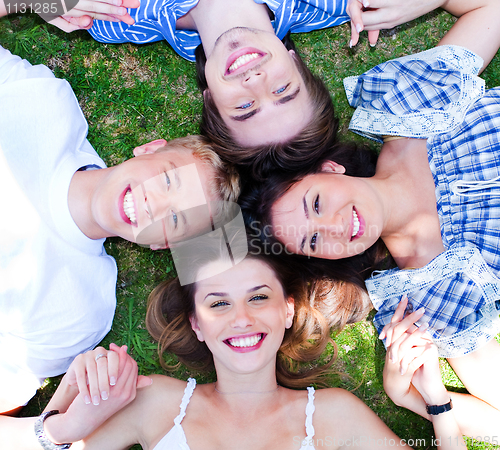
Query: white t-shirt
[(57, 287)]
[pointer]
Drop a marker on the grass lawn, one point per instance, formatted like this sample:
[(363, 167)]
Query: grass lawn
[(133, 94)]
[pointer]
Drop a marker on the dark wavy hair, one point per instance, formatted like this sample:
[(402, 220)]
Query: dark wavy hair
[(256, 202), (171, 305), (258, 161)]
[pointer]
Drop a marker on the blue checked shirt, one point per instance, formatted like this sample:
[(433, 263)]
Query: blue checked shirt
[(155, 20), (459, 289)]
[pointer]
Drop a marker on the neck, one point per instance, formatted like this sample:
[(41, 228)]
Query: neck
[(411, 232), (212, 18), (79, 201), (256, 387)]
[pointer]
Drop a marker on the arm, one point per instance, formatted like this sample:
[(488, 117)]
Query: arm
[(412, 378), (79, 418), (476, 29)]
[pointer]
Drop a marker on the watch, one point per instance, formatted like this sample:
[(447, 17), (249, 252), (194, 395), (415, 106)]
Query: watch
[(45, 442), (434, 410)]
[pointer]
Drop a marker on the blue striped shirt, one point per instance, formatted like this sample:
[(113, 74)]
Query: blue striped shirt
[(155, 20)]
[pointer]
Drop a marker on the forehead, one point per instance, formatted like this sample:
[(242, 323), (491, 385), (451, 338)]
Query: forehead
[(239, 278)]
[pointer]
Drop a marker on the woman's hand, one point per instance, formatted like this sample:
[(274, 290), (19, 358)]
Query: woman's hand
[(81, 17), (94, 373), (411, 374), (81, 418), (375, 15)]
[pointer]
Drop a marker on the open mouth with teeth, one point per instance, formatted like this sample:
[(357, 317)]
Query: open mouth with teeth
[(129, 207), (241, 59), (358, 227), (246, 343)]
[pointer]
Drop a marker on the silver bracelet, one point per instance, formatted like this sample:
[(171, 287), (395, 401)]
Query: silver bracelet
[(46, 443)]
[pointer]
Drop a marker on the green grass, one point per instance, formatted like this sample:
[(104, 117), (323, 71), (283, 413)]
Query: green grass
[(133, 94)]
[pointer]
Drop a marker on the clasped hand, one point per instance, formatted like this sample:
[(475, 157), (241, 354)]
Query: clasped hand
[(81, 17), (411, 372), (97, 385)]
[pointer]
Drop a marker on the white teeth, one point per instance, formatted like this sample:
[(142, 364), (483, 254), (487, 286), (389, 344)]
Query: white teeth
[(128, 207), (242, 60), (246, 341), (355, 220)]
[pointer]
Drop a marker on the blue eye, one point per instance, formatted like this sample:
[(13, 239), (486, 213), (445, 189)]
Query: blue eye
[(281, 89), (259, 297), (312, 244), (219, 303), (246, 105), (174, 217), (316, 204), (167, 179)]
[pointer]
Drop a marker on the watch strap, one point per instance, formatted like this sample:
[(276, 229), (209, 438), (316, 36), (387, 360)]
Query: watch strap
[(434, 410)]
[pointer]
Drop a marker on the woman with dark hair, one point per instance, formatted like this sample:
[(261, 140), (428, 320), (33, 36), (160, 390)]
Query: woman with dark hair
[(252, 321), (433, 202)]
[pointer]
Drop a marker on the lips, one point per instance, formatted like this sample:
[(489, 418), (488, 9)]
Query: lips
[(242, 60), (245, 343), (127, 209), (357, 225)]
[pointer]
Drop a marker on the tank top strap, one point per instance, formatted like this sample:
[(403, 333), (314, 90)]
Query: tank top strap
[(309, 414), (188, 392)]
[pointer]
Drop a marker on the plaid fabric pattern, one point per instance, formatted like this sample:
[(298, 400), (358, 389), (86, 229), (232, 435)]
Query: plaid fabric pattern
[(415, 96), (155, 20), (459, 289)]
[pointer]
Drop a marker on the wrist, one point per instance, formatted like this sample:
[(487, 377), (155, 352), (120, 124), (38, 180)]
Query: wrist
[(435, 410), (46, 439)]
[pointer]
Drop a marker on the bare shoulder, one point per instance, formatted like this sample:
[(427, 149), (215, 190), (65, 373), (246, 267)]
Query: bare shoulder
[(159, 404), (344, 416)]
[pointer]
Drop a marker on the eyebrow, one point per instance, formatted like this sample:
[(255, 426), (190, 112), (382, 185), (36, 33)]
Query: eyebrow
[(226, 294), (306, 213), (281, 101)]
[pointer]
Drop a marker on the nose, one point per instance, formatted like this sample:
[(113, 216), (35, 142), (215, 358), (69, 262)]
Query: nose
[(242, 317), (332, 226), (155, 203), (254, 79)]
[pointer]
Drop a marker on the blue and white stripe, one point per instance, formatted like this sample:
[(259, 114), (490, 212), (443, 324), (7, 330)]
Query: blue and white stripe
[(155, 20)]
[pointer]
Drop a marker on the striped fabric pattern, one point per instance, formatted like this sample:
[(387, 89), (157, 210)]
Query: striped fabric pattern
[(155, 20)]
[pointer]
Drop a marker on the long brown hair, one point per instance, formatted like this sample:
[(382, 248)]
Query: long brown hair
[(171, 305)]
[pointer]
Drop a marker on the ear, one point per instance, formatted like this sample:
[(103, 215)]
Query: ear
[(290, 312), (292, 52), (196, 328), (150, 147), (332, 167), (206, 94)]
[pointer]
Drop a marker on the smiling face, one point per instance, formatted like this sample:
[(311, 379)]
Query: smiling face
[(242, 314), (255, 84), (157, 197), (328, 215)]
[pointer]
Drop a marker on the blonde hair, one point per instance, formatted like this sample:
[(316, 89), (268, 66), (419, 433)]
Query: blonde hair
[(225, 185)]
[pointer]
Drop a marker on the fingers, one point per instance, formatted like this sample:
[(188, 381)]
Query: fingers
[(69, 24), (399, 324), (96, 8), (373, 37), (354, 9)]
